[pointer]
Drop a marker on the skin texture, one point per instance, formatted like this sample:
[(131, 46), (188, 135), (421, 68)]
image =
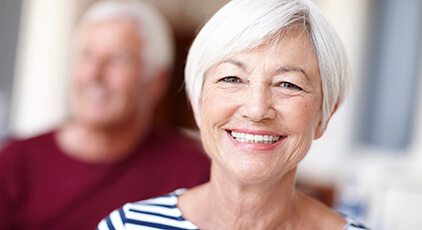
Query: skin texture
[(263, 98), (112, 99), (274, 89)]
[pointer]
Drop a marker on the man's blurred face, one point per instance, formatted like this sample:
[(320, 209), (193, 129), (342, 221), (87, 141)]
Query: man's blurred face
[(109, 86)]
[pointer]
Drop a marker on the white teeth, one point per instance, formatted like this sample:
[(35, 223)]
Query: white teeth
[(250, 138)]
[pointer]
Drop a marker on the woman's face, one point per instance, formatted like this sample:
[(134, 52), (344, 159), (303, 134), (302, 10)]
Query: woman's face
[(261, 109)]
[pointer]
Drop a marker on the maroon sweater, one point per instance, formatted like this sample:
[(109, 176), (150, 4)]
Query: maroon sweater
[(42, 188)]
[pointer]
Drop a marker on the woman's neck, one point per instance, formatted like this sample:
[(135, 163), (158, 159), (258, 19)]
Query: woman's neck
[(232, 205)]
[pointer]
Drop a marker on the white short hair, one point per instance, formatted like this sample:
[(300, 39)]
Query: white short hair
[(154, 31), (246, 24)]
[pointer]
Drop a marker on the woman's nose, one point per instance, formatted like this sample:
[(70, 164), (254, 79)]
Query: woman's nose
[(258, 103)]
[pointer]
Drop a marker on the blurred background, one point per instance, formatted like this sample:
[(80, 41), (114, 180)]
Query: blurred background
[(369, 162)]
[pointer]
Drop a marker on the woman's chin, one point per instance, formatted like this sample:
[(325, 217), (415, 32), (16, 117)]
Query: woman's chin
[(253, 173)]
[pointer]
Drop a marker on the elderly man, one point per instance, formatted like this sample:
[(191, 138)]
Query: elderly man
[(108, 153)]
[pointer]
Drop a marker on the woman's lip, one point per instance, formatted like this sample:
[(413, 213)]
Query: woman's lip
[(254, 146), (256, 132)]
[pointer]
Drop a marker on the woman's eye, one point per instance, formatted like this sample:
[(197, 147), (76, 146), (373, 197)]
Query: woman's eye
[(288, 85), (230, 79)]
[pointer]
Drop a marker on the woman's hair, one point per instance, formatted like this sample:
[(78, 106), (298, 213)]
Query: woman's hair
[(154, 31), (247, 24)]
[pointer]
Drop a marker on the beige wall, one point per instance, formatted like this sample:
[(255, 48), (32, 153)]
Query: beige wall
[(42, 58)]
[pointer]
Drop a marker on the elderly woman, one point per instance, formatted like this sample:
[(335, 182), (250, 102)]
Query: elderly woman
[(263, 78)]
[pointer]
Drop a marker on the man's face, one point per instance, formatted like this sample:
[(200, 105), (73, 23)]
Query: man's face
[(109, 88)]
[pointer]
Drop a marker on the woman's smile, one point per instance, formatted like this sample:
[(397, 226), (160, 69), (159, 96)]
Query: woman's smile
[(255, 140)]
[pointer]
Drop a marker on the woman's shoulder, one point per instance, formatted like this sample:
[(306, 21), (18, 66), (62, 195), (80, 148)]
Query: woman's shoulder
[(159, 212), (325, 217), (353, 224)]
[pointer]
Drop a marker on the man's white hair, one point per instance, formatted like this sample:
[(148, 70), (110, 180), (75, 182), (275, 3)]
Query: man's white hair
[(247, 24), (154, 31)]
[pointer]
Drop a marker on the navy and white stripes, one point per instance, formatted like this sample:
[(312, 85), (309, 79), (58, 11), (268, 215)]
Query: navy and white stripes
[(162, 213), (155, 213)]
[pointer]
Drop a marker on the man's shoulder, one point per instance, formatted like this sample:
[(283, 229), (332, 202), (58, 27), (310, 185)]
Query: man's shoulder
[(17, 145), (177, 133), (175, 146), (176, 140)]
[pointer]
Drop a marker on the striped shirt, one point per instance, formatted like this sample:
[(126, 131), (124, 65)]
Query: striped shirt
[(162, 213)]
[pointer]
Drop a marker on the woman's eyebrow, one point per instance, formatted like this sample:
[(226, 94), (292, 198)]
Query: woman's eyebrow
[(290, 68), (235, 62), (279, 70)]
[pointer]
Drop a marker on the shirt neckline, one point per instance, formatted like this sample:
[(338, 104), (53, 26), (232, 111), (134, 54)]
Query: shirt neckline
[(350, 222)]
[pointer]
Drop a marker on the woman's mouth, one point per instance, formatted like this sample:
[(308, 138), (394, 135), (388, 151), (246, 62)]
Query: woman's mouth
[(254, 138)]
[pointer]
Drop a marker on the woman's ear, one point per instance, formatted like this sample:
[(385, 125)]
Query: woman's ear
[(322, 125), (320, 130)]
